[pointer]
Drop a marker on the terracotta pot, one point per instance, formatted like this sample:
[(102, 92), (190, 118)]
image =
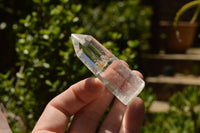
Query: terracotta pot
[(177, 40)]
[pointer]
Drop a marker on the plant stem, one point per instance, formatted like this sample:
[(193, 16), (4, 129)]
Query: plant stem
[(21, 69), (196, 14)]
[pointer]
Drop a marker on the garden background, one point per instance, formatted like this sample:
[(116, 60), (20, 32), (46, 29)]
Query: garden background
[(37, 59)]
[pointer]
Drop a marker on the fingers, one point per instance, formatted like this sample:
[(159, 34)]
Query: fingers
[(86, 120), (133, 118), (112, 123), (4, 127), (125, 63), (124, 119), (138, 74), (57, 113)]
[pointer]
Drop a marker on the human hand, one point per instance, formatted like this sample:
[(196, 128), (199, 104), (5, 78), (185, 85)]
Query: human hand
[(87, 100), (4, 127)]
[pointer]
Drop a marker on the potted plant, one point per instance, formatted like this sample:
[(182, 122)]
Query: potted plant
[(179, 35)]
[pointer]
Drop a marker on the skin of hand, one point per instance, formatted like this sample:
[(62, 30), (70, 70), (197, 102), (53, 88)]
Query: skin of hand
[(87, 101), (4, 127)]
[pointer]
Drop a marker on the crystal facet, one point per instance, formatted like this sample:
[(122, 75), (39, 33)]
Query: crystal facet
[(117, 77)]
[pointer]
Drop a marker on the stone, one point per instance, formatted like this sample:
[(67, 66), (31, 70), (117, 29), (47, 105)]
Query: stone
[(115, 75)]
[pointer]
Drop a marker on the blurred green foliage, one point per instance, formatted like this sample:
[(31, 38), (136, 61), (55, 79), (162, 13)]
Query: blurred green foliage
[(45, 63), (123, 26), (183, 115)]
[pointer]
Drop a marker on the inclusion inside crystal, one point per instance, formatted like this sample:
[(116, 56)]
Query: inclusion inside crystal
[(117, 77)]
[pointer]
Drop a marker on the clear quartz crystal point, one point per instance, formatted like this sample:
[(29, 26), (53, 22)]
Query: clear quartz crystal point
[(117, 77)]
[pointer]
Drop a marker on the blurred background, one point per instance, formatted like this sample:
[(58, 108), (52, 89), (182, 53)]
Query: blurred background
[(37, 59)]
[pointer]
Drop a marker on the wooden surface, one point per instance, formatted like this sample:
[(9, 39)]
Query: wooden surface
[(192, 55), (163, 107), (173, 57), (159, 106), (180, 80)]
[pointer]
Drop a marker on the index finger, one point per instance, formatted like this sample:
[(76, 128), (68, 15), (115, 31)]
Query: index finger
[(57, 113)]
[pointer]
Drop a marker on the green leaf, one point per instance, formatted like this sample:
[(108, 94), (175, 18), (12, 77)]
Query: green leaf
[(115, 35), (64, 1), (56, 11), (36, 1), (76, 8), (20, 75), (46, 65), (133, 44), (45, 1), (48, 82)]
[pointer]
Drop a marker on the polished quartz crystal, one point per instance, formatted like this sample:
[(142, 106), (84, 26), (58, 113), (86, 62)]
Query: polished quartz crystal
[(117, 77)]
